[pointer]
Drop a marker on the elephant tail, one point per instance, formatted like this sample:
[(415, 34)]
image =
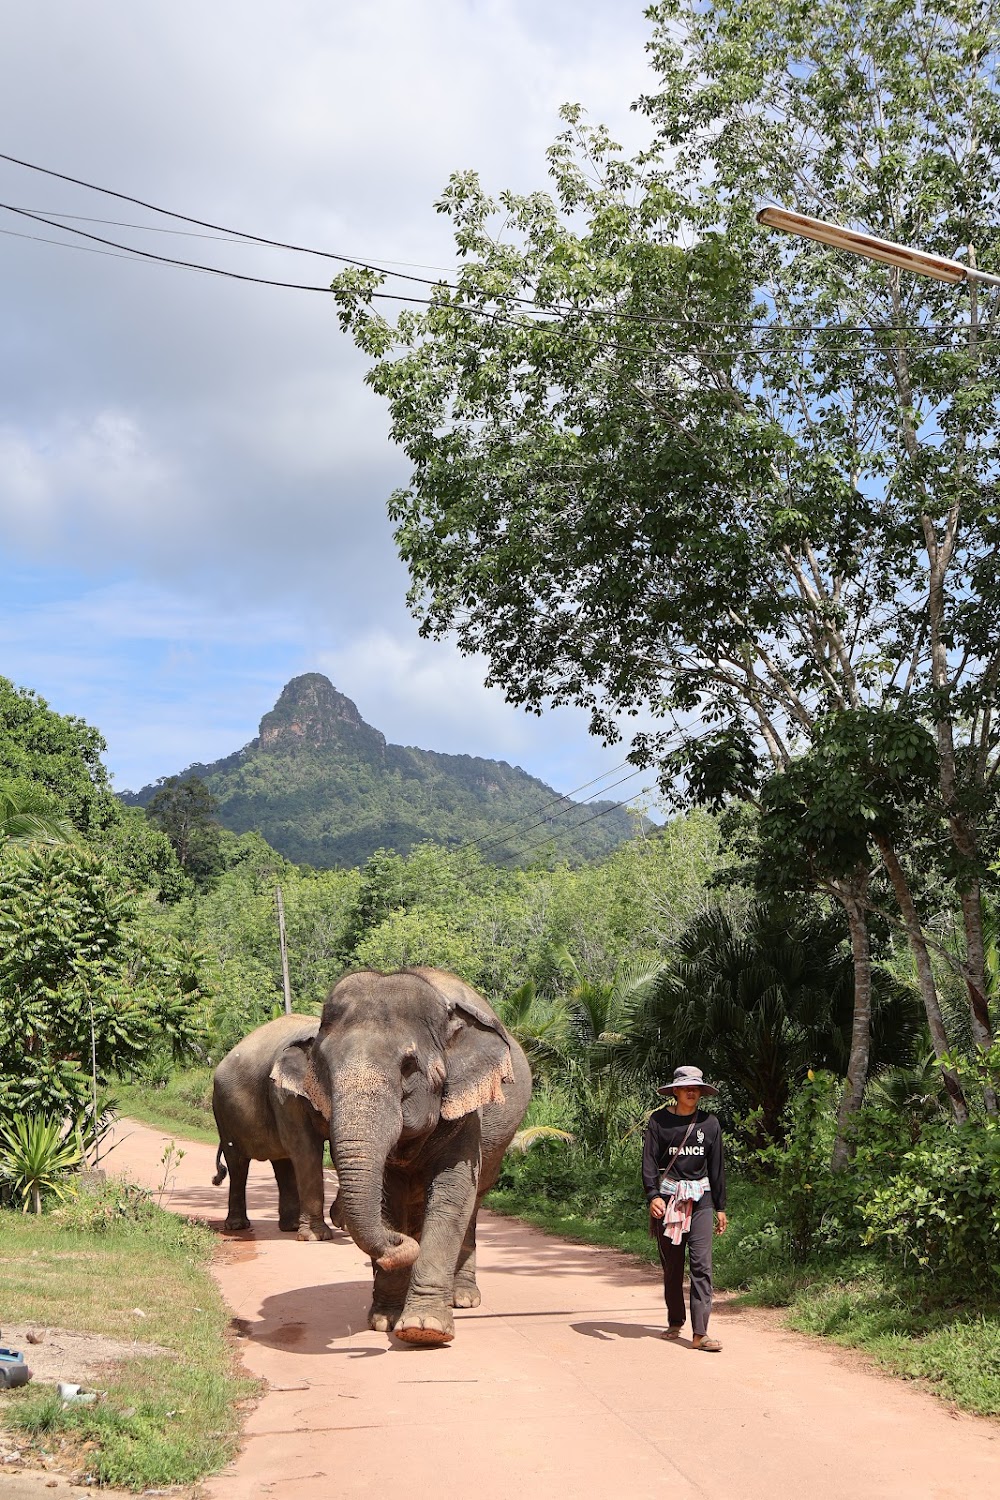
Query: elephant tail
[(221, 1172)]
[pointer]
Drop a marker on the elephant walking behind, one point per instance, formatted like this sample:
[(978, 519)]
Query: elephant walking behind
[(264, 1114), (423, 1089)]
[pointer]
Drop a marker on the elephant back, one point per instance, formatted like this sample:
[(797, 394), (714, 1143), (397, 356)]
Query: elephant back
[(257, 1051)]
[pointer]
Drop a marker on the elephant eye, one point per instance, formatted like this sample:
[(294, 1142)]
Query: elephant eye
[(409, 1065)]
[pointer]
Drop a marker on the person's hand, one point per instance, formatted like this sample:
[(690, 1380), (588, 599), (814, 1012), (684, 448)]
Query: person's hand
[(657, 1208), (721, 1223)]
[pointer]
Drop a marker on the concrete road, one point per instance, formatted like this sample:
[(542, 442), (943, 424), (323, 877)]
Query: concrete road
[(558, 1385)]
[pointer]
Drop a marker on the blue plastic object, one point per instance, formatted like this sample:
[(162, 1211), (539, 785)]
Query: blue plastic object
[(13, 1370)]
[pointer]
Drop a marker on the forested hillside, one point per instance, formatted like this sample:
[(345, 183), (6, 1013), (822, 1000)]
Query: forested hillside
[(325, 789)]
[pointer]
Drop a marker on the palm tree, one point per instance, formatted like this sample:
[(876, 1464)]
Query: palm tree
[(574, 1042), (18, 826), (758, 999), (539, 1025), (915, 1094)]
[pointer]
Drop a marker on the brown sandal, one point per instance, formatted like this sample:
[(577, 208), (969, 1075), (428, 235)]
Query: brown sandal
[(673, 1332), (707, 1345)]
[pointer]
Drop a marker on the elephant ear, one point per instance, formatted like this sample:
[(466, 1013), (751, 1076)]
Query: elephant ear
[(291, 1066), (477, 1054)]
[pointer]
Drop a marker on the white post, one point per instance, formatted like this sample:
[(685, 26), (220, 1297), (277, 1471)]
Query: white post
[(284, 952), (93, 1077)]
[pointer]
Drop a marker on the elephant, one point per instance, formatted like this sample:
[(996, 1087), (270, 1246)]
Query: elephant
[(423, 1089), (263, 1114)]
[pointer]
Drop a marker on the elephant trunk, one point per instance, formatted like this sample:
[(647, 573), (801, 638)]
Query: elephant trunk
[(364, 1127)]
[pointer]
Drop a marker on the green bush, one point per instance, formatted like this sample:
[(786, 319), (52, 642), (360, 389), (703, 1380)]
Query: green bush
[(81, 981), (117, 1203), (939, 1211), (814, 1210)]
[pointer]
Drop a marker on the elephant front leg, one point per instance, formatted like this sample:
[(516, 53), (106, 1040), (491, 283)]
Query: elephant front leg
[(388, 1299), (309, 1175), (427, 1316), (405, 1212), (466, 1292)]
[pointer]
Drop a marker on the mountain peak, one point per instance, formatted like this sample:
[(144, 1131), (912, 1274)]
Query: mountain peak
[(310, 711)]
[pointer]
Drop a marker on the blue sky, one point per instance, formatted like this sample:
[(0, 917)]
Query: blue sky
[(192, 473)]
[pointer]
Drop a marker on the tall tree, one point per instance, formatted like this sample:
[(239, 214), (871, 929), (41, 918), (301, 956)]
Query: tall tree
[(185, 812), (663, 461), (50, 763)]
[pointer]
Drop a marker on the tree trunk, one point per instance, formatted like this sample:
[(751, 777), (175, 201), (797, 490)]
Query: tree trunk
[(925, 975), (851, 896), (975, 979)]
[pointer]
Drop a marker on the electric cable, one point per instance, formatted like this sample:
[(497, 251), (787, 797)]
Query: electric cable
[(539, 317), (496, 833), (561, 832), (503, 838), (239, 234), (168, 260), (43, 239), (222, 239)]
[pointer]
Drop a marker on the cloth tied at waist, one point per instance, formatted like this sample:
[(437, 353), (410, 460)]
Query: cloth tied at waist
[(680, 1197)]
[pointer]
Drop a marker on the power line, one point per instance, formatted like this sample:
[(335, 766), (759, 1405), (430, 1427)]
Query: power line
[(502, 838), (242, 234), (43, 239), (169, 260), (673, 741), (222, 239), (561, 832), (528, 304), (537, 317), (496, 833)]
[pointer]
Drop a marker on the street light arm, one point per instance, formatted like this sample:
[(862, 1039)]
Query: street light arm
[(920, 262)]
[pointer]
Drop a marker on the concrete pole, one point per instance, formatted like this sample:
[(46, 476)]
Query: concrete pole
[(284, 952)]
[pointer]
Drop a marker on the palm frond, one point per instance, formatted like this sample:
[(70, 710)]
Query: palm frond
[(525, 1139)]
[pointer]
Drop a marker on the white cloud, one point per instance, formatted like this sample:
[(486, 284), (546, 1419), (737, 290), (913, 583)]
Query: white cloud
[(425, 694)]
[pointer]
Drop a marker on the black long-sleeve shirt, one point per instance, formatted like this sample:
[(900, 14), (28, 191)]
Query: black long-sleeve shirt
[(703, 1155)]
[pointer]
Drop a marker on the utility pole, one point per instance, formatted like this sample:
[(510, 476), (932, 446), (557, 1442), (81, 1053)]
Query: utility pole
[(284, 951)]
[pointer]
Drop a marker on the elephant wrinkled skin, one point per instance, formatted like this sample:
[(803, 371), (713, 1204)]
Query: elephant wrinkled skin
[(423, 1089), (263, 1114)]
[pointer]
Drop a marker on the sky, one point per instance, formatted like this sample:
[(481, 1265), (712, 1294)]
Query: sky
[(193, 475)]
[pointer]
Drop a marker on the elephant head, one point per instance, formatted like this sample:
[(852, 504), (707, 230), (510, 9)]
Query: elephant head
[(395, 1055)]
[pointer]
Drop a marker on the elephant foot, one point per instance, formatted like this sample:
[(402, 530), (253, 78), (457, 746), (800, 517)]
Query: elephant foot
[(314, 1232), (466, 1295), (234, 1225), (384, 1319), (428, 1328), (289, 1225)]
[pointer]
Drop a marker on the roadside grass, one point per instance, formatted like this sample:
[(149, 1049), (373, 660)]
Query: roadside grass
[(955, 1349), (183, 1102), (159, 1421), (856, 1300)]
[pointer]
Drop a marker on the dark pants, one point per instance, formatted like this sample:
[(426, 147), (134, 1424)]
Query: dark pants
[(698, 1242)]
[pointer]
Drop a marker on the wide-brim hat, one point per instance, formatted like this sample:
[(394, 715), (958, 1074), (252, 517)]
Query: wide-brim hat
[(687, 1078)]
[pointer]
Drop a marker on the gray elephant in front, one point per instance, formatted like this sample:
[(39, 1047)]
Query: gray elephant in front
[(423, 1089), (263, 1114)]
